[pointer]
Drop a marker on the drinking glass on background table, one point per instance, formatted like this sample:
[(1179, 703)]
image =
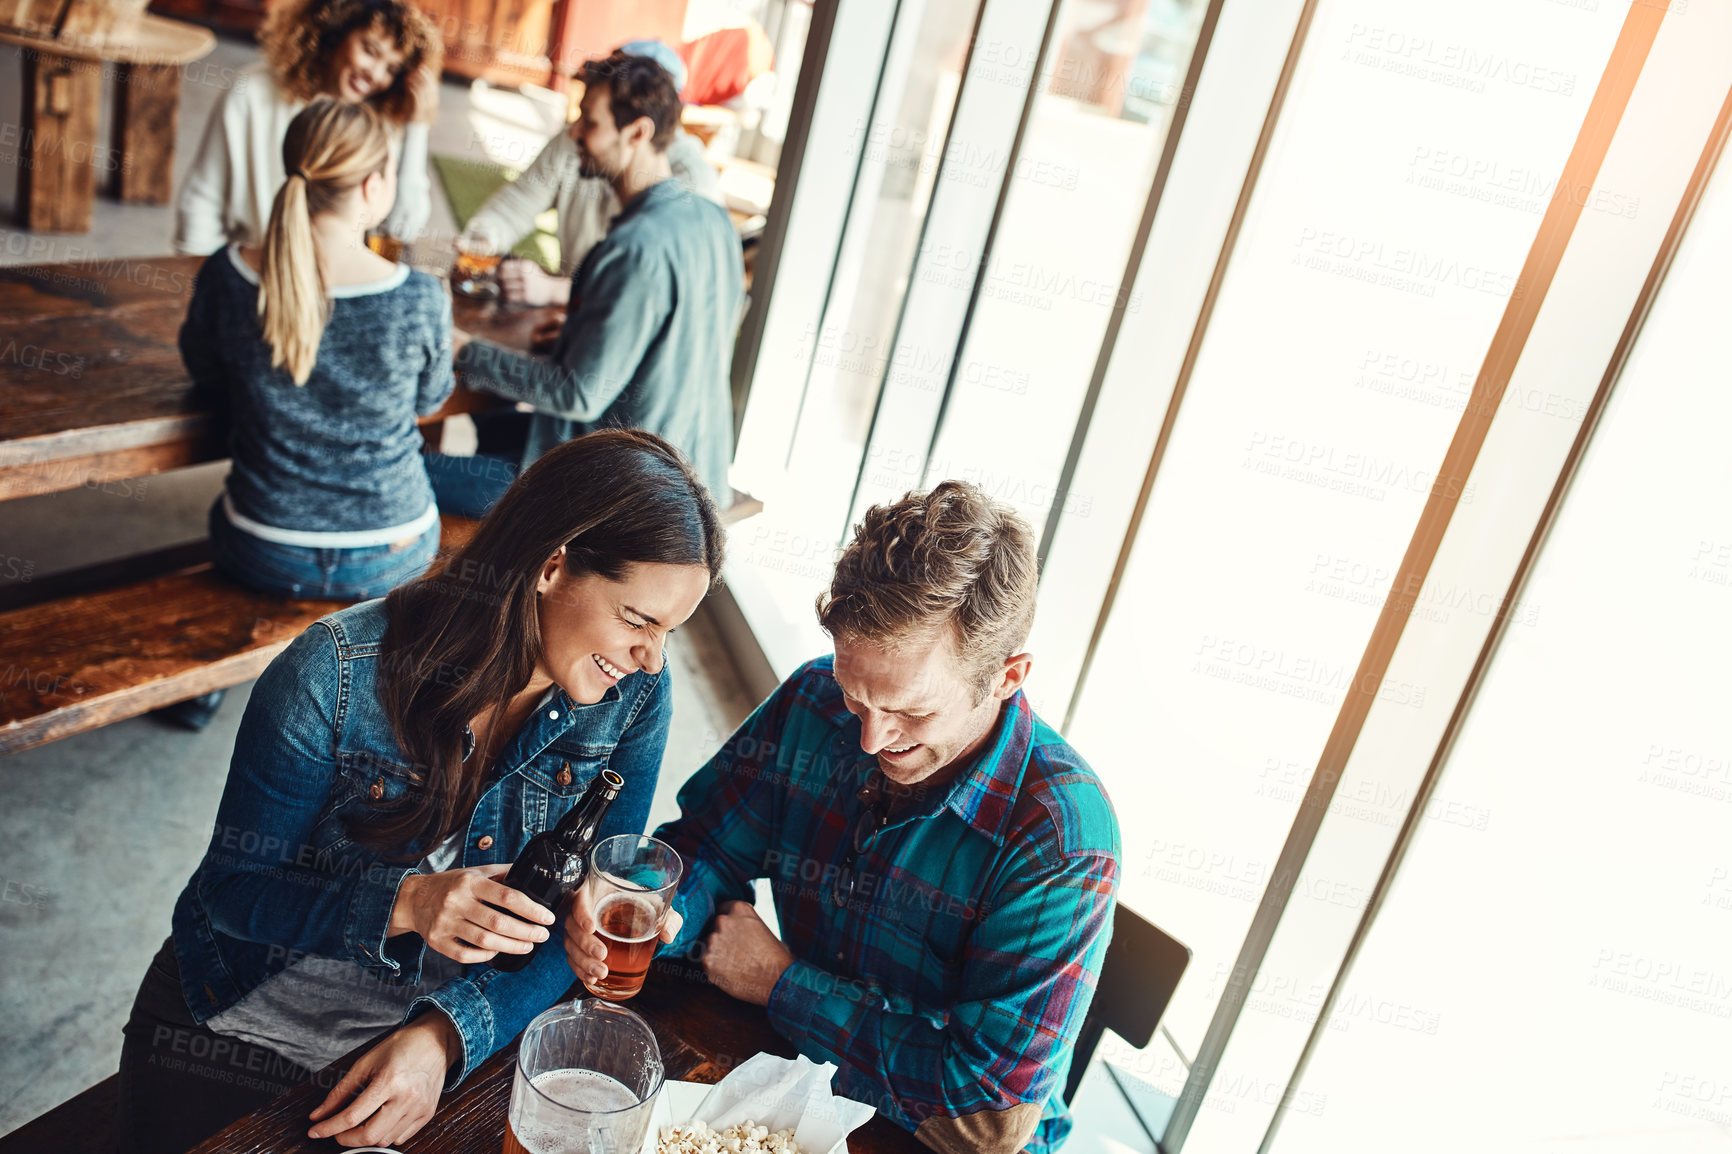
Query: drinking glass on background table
[(586, 1082), (389, 247), (631, 886), (476, 273)]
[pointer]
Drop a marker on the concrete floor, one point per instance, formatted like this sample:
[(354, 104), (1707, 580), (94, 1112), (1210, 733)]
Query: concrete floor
[(99, 832)]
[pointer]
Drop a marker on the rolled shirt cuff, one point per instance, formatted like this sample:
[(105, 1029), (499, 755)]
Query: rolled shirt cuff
[(809, 1005), (366, 929), (469, 1011)]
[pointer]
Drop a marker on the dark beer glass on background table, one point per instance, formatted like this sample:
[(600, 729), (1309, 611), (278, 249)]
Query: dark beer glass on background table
[(586, 1082), (631, 885)]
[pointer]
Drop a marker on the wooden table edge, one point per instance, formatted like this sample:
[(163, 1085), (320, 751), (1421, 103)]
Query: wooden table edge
[(26, 733), (90, 440), (155, 40)]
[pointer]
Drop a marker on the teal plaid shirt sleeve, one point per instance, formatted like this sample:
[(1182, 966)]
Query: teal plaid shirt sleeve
[(728, 811), (626, 298), (1028, 976)]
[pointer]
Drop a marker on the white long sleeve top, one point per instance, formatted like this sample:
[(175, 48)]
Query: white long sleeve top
[(586, 205), (235, 175)]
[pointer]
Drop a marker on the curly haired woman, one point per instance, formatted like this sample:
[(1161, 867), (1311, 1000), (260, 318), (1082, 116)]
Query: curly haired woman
[(385, 53)]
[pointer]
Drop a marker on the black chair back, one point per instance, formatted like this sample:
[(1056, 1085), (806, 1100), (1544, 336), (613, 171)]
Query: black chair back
[(1142, 970)]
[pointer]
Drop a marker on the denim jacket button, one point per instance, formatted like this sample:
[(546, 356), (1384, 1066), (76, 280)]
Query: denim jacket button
[(377, 789), (485, 841), (563, 777)]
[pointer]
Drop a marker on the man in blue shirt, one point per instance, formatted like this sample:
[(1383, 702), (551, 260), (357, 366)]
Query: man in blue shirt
[(648, 338), (944, 864)]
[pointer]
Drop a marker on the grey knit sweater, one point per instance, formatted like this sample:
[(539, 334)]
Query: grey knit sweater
[(340, 453)]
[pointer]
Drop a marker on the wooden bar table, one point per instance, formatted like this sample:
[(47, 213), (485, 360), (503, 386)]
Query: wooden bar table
[(66, 50), (92, 390), (702, 1032)]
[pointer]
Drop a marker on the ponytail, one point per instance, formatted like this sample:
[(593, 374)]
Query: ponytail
[(330, 149), (291, 287)]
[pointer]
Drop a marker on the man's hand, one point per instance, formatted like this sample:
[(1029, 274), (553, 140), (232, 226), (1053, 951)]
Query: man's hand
[(523, 282), (394, 1088), (742, 956), (584, 951), (546, 334)]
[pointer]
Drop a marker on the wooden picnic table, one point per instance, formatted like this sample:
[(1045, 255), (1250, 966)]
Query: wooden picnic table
[(92, 389), (702, 1033)]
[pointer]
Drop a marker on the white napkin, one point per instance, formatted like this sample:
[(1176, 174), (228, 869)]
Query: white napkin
[(784, 1095)]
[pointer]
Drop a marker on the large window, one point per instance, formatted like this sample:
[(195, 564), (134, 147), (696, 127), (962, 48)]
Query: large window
[(1570, 901), (1224, 326), (1360, 300)]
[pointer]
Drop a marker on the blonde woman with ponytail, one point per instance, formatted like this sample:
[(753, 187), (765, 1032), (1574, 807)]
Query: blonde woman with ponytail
[(324, 354)]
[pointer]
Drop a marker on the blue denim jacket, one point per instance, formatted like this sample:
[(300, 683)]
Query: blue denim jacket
[(281, 879)]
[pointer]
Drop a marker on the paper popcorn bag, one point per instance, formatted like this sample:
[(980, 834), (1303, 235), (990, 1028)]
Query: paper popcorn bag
[(779, 1094)]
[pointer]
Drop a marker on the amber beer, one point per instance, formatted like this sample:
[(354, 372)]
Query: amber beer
[(627, 924), (476, 265), (388, 247)]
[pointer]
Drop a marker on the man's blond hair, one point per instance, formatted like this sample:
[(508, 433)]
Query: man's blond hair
[(949, 560)]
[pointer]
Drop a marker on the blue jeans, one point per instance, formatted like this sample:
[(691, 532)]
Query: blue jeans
[(469, 486), (295, 571)]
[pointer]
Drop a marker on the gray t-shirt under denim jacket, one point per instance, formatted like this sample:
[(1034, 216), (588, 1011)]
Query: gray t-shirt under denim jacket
[(340, 454)]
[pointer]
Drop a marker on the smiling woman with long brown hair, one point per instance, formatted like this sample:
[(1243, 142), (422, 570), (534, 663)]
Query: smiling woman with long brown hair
[(393, 761), (385, 53)]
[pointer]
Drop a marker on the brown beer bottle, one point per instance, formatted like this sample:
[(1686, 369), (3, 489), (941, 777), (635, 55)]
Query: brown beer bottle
[(542, 869)]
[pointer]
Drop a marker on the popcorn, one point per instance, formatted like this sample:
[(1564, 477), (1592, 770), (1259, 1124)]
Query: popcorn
[(748, 1137)]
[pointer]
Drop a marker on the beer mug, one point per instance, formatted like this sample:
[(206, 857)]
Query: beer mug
[(586, 1083), (385, 245), (631, 885), (476, 271)]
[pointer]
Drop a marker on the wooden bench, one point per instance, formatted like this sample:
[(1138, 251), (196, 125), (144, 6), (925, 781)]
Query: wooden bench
[(81, 652), (86, 1124), (68, 47)]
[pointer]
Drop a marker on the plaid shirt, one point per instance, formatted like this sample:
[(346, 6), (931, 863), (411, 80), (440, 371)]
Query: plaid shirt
[(956, 978)]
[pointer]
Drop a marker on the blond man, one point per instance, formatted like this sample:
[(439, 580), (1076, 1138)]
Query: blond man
[(944, 865)]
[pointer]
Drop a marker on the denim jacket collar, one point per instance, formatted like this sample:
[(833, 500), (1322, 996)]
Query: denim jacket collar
[(555, 715)]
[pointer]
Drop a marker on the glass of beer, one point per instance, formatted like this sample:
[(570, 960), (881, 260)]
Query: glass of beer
[(388, 247), (476, 272), (586, 1083), (631, 885)]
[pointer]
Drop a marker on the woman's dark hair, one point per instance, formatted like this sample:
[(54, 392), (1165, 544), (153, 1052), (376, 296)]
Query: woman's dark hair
[(466, 638)]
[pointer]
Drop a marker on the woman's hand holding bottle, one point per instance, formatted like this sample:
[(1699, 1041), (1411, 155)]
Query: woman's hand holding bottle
[(454, 912)]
